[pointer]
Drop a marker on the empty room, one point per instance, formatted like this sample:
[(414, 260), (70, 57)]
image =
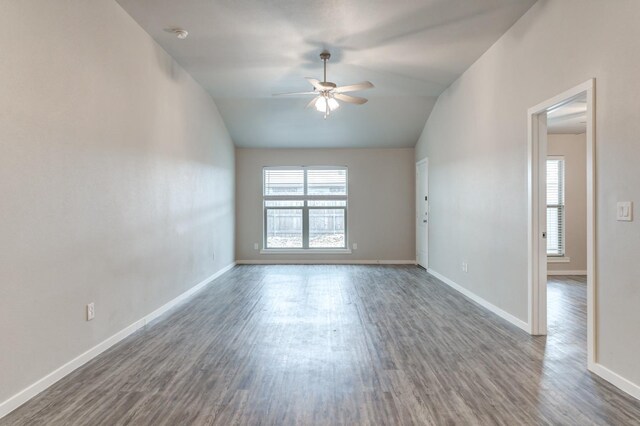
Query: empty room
[(286, 212)]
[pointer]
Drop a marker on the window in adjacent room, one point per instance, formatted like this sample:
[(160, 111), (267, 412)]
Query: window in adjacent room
[(555, 206), (305, 207)]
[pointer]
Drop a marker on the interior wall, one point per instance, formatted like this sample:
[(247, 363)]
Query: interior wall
[(116, 177), (574, 150), (476, 140), (381, 212)]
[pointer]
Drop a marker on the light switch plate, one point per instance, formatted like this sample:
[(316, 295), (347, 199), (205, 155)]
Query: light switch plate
[(624, 211), (91, 311)]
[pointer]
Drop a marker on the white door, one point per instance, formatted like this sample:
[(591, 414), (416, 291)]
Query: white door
[(422, 213)]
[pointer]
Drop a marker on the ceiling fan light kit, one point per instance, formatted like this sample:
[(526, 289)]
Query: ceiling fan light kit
[(327, 94)]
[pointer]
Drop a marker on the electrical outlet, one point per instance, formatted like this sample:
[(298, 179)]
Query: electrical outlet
[(355, 246), (465, 267), (91, 311), (255, 246)]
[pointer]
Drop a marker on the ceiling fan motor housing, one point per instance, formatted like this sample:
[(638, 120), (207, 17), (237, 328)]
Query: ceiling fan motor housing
[(328, 85)]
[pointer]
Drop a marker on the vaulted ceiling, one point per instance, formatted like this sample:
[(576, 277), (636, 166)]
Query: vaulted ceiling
[(570, 118), (243, 51)]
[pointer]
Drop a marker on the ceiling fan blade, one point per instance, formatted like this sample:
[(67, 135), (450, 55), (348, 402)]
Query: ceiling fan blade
[(316, 84), (350, 99), (295, 93), (312, 102), (354, 87)]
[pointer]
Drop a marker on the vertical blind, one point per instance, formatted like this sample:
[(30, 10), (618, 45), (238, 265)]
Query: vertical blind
[(555, 207)]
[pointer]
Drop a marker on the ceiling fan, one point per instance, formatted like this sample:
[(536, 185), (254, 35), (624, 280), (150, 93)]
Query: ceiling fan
[(327, 94)]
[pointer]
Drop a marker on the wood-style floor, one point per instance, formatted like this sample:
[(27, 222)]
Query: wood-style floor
[(332, 345)]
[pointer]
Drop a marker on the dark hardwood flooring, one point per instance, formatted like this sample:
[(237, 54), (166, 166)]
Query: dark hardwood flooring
[(282, 345)]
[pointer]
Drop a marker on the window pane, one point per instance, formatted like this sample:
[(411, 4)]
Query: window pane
[(555, 246), (284, 203), (283, 182), (555, 182), (555, 207), (284, 228), (326, 228), (327, 203), (327, 182)]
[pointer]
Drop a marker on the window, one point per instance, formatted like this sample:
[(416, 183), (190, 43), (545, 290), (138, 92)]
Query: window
[(555, 206), (305, 207)]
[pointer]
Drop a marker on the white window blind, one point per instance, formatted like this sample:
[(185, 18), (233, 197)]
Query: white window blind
[(283, 182), (326, 182), (555, 206), (305, 207)]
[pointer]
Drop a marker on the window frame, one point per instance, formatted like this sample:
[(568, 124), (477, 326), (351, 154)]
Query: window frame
[(305, 198), (561, 210)]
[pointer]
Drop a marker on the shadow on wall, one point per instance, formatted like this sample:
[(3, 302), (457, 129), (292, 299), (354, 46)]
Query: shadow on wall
[(517, 32), (167, 64), (123, 258)]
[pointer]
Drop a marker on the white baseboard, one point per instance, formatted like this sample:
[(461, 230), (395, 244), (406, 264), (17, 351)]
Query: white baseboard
[(186, 295), (550, 272), (480, 301), (598, 369), (324, 262), (616, 380), (34, 389)]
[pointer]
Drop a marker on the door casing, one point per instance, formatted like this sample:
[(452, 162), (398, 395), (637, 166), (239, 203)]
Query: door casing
[(422, 213)]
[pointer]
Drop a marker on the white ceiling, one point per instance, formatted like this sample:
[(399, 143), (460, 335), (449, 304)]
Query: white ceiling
[(243, 51), (570, 118)]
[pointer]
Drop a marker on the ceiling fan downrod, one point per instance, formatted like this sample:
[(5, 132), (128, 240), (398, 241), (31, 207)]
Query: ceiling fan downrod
[(325, 57)]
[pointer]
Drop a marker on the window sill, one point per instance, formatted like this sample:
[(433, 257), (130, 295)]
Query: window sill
[(558, 259), (306, 251)]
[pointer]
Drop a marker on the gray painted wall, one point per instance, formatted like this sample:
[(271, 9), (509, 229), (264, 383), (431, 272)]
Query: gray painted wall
[(381, 213), (476, 140), (116, 178), (574, 150)]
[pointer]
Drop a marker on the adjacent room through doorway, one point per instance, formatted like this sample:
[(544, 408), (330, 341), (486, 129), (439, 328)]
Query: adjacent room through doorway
[(562, 240), (566, 230)]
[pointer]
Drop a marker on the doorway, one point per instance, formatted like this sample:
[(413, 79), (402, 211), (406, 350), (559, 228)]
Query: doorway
[(540, 239), (422, 213)]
